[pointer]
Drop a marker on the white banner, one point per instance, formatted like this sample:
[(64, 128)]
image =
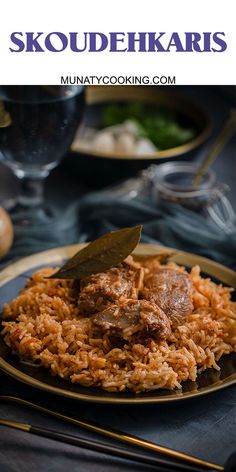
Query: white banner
[(124, 42)]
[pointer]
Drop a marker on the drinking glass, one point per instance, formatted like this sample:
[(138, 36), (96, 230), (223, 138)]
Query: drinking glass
[(37, 126)]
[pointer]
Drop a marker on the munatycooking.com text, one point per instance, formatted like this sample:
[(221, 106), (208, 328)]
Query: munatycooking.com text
[(118, 80)]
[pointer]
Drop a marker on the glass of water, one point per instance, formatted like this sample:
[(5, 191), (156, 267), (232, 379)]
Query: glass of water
[(37, 126)]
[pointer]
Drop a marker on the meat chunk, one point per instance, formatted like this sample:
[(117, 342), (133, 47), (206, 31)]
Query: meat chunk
[(129, 317), (171, 291), (99, 290)]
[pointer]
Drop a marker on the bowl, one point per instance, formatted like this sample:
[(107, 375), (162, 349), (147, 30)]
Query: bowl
[(100, 168)]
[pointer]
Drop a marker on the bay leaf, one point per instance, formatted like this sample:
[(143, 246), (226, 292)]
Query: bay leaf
[(101, 254)]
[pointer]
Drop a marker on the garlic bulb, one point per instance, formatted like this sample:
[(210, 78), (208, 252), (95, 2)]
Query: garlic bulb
[(6, 233), (122, 139), (104, 141), (145, 147), (125, 143)]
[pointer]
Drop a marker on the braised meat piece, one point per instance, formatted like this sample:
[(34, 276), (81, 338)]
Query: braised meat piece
[(129, 317), (100, 290), (171, 291)]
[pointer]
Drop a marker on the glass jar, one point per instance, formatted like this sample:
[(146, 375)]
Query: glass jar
[(172, 183)]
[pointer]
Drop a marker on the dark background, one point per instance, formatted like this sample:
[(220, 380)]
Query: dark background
[(65, 182)]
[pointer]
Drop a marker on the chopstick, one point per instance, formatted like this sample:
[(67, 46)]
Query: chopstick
[(99, 447), (114, 434)]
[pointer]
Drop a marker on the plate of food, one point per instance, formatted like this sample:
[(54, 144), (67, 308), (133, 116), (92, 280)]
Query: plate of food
[(97, 323), (129, 128)]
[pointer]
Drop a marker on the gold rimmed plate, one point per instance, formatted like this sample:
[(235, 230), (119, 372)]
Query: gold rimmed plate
[(13, 278)]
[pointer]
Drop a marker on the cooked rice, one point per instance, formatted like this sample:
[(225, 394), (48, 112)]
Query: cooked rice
[(43, 325)]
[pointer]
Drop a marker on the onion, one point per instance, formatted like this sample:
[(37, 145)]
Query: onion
[(6, 232)]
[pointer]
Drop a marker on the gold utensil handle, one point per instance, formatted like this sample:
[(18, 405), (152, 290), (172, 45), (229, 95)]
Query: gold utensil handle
[(225, 134), (103, 448), (118, 435)]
